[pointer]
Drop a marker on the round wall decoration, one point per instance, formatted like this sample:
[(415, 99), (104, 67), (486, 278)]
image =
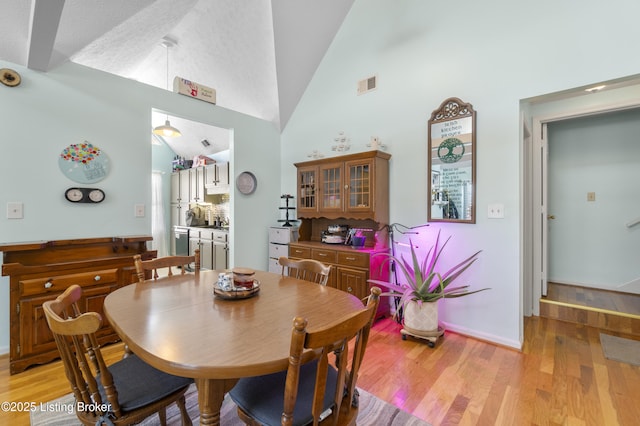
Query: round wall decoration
[(84, 163), (9, 77), (246, 183)]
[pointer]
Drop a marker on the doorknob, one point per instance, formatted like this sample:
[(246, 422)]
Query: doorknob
[(551, 217)]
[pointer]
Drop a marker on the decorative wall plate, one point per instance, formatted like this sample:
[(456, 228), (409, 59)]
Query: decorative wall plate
[(84, 163), (246, 183), (9, 77)]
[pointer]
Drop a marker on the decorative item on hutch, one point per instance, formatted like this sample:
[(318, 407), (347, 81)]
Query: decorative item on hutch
[(376, 143), (342, 143), (315, 154)]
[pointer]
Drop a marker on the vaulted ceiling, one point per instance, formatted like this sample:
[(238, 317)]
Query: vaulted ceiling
[(259, 55)]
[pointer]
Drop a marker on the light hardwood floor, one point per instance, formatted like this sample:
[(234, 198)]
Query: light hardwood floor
[(559, 378)]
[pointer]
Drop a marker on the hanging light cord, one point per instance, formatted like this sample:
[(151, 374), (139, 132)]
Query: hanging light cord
[(166, 45)]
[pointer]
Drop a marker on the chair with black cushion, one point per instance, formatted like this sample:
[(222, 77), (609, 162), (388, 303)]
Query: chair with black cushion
[(304, 394), (123, 393), (181, 262), (305, 269)]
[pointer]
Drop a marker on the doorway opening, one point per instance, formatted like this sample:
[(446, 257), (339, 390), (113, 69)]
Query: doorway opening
[(538, 113), (208, 145)]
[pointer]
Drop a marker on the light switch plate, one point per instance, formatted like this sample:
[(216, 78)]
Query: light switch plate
[(495, 211), (15, 210), (139, 210)]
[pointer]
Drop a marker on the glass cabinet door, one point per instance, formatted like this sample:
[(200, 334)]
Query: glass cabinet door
[(307, 189), (331, 187), (360, 196)]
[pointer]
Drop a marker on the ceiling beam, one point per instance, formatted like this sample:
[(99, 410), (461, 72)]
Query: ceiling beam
[(43, 27)]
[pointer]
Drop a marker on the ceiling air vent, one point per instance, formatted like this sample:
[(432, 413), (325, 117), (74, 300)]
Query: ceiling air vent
[(367, 85)]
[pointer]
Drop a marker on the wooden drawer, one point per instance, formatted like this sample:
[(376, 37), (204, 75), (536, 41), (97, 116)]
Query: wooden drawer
[(277, 250), (358, 260), (299, 252), (324, 256), (58, 284)]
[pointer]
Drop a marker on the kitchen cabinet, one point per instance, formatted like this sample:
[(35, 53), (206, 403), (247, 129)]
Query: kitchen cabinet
[(187, 186), (213, 245), (351, 268), (175, 188), (196, 184), (217, 178), (354, 186), (41, 271), (178, 214)]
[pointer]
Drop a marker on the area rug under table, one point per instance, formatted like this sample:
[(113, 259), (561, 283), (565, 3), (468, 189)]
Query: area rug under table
[(373, 411), (620, 349)]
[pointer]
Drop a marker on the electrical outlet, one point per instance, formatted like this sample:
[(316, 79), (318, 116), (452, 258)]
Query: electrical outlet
[(591, 196), (139, 210), (15, 210), (495, 211)]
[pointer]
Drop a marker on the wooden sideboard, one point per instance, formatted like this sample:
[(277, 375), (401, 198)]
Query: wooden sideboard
[(40, 271), (350, 267)]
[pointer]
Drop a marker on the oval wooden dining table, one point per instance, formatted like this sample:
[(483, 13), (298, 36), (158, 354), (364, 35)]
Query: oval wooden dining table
[(177, 325)]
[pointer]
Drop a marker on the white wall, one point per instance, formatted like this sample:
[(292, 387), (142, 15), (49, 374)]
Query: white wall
[(491, 54), (70, 104), (589, 243)]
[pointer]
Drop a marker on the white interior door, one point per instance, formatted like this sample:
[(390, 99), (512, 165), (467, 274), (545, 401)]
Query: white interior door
[(539, 231), (544, 209)]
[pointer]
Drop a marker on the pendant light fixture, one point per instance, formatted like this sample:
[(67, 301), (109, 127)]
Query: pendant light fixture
[(167, 130)]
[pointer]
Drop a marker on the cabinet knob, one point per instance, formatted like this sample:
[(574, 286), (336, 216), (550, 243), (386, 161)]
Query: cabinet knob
[(97, 278), (346, 187), (350, 289), (48, 284)]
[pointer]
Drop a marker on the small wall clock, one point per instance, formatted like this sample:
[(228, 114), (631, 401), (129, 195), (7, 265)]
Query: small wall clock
[(246, 183), (84, 195)]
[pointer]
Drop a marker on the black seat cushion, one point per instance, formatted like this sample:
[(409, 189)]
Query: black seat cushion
[(262, 397), (139, 384)]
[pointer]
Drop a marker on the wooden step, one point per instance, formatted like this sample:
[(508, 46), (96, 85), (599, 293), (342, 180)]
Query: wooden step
[(604, 319)]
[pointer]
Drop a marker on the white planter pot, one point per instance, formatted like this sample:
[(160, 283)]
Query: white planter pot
[(421, 318)]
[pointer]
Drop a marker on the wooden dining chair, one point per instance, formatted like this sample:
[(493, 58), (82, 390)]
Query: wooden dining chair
[(122, 393), (305, 269), (304, 394), (182, 262)]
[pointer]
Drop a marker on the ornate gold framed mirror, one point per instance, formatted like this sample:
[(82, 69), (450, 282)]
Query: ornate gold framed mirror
[(452, 163)]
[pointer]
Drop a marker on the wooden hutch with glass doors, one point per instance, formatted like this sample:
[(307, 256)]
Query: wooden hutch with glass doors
[(350, 190)]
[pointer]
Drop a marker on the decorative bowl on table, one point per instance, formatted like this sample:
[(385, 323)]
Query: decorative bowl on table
[(240, 284), (233, 292)]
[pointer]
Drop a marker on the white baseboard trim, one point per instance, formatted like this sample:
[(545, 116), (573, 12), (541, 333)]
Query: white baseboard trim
[(490, 338), (4, 350)]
